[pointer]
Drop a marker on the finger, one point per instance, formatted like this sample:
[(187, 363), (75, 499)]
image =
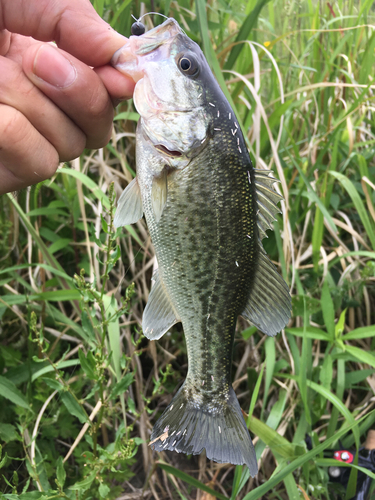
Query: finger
[(74, 87), (118, 86), (4, 42), (73, 24), (26, 157), (18, 91)]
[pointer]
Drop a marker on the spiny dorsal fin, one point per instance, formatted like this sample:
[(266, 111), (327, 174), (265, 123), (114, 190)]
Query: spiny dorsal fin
[(267, 201), (159, 315)]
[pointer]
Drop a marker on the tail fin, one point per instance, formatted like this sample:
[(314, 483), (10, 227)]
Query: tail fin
[(189, 427)]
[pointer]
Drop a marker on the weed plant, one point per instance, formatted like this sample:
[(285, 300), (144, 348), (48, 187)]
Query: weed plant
[(80, 387)]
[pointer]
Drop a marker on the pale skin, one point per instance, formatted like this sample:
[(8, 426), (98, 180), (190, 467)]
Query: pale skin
[(54, 101)]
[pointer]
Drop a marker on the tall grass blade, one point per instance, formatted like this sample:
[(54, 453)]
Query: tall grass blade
[(298, 462), (354, 195), (244, 33), (190, 480)]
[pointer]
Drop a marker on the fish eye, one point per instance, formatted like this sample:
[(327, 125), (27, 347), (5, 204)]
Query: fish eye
[(188, 65)]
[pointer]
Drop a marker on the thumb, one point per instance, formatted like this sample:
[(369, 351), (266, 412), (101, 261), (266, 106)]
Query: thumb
[(73, 24)]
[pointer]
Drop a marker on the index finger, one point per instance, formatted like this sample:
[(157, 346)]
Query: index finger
[(73, 24)]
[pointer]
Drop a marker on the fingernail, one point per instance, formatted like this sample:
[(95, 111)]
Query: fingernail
[(52, 67)]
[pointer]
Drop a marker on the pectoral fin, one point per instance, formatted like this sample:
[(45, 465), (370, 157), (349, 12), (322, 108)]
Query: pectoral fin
[(159, 194), (159, 315), (129, 205), (269, 306)]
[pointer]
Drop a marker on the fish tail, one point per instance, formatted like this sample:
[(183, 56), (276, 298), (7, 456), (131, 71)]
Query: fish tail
[(189, 427)]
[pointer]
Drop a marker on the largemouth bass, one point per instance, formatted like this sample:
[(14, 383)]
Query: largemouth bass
[(206, 209)]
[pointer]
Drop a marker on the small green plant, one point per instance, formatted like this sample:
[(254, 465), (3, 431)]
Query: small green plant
[(102, 376)]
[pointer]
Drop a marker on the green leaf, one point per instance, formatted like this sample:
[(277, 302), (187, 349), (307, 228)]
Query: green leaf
[(336, 402), (53, 270), (60, 472), (49, 368), (328, 462), (54, 384), (41, 245), (339, 327), (103, 490), (190, 480), (244, 33), (59, 245), (311, 333), (326, 372), (85, 484), (360, 333), (87, 326), (314, 197), (73, 407), (355, 377), (254, 396), (361, 355), (132, 407), (127, 115), (46, 211), (367, 63), (88, 364), (272, 439), (86, 181), (9, 391), (8, 433), (122, 385), (301, 301), (298, 462), (328, 310), (57, 295), (270, 366), (248, 332), (362, 212), (4, 461)]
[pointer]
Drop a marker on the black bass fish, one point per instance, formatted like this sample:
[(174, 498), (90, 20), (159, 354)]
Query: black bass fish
[(206, 209)]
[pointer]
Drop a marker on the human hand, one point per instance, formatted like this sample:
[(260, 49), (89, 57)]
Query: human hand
[(52, 103)]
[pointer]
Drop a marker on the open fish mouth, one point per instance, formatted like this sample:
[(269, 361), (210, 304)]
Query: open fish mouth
[(162, 149)]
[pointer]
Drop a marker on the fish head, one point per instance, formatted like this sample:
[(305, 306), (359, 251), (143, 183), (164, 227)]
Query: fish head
[(170, 72)]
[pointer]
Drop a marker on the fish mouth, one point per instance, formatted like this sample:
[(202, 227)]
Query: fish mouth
[(173, 154)]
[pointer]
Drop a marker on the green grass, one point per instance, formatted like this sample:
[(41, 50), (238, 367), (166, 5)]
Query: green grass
[(80, 388)]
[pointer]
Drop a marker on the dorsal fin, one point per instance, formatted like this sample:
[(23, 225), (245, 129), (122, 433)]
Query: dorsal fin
[(267, 201)]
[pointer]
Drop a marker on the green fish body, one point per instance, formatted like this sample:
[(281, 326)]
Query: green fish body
[(207, 210)]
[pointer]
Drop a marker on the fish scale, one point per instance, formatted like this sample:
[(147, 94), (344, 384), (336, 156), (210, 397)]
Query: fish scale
[(206, 209)]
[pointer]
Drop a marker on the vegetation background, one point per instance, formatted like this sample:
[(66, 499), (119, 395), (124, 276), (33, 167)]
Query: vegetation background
[(80, 388)]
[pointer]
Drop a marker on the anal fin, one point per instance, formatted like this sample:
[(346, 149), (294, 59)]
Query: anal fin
[(269, 305), (159, 315), (129, 206)]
